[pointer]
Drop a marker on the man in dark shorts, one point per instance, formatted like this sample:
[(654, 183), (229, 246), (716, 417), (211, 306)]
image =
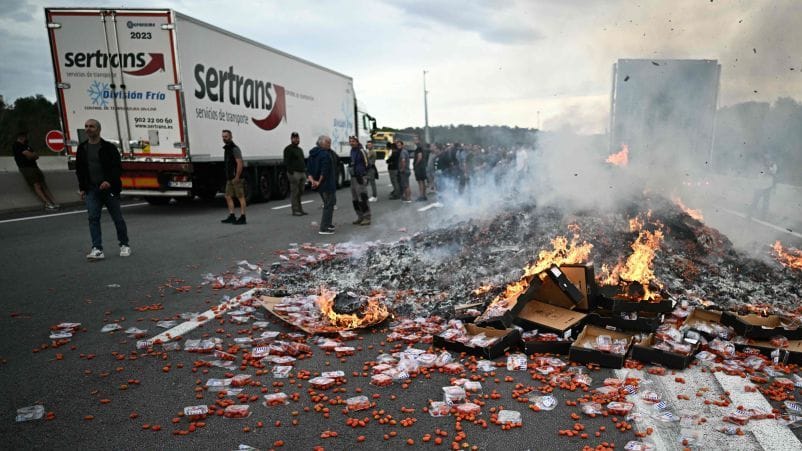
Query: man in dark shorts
[(232, 158), (26, 158)]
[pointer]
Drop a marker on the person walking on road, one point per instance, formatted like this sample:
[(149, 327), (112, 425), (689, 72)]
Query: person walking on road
[(26, 158), (232, 158), (373, 173), (322, 174), (98, 168), (392, 168), (359, 183), (296, 170)]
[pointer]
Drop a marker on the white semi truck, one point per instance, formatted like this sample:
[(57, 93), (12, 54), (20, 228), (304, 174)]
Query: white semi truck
[(164, 86)]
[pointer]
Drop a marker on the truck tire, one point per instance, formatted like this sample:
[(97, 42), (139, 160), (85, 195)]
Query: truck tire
[(157, 200), (265, 185), (281, 184), (249, 186)]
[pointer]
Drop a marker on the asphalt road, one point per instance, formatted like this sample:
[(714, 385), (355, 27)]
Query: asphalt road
[(46, 281)]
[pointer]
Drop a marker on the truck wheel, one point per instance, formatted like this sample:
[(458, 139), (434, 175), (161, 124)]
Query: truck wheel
[(157, 200), (265, 184), (249, 186), (281, 185), (340, 176)]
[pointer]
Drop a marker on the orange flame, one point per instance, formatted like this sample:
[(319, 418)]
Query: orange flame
[(620, 158), (791, 258), (374, 312), (639, 264), (483, 289), (695, 214), (562, 252)]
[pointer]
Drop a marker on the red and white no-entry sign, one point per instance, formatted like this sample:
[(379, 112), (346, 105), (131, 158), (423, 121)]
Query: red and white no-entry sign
[(55, 140)]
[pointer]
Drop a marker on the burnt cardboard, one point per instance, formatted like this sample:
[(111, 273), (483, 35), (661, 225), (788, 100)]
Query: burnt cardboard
[(609, 300), (759, 327), (644, 352), (564, 284), (578, 353), (698, 316), (506, 320), (550, 318), (509, 338), (579, 275), (790, 354), (646, 321)]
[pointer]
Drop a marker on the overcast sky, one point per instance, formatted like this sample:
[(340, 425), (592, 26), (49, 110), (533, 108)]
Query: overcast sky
[(488, 62)]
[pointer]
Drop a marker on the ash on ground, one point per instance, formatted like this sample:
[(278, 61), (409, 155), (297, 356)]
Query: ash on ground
[(438, 269)]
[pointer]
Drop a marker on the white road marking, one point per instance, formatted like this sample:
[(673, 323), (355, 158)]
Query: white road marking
[(767, 224), (208, 315), (430, 206), (50, 215), (290, 205), (769, 434)]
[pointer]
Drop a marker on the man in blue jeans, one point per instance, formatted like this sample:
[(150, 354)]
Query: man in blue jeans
[(98, 167), (322, 174)]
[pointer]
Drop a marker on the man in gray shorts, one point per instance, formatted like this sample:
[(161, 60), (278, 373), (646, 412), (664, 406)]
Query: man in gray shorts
[(234, 187)]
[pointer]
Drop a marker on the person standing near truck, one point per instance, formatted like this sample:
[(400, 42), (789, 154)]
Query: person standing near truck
[(232, 160), (373, 172), (26, 158), (359, 183), (392, 167), (296, 170), (98, 168), (322, 174)]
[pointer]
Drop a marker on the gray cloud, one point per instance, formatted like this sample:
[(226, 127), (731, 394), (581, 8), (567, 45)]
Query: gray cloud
[(484, 18)]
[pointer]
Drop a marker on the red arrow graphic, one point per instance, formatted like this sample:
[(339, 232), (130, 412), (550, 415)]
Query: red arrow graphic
[(156, 63), (278, 113)]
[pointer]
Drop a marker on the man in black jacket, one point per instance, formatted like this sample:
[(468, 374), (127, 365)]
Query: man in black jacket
[(98, 167)]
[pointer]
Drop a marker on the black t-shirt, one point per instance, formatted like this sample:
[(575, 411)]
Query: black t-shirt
[(22, 160), (419, 166)]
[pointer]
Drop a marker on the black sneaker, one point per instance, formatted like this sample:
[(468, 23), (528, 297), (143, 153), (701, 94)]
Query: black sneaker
[(240, 221), (230, 219)]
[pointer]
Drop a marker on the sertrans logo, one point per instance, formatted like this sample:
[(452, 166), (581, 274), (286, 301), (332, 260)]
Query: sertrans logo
[(140, 63), (254, 94)]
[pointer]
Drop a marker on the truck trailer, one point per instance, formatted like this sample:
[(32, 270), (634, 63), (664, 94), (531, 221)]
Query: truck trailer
[(164, 86)]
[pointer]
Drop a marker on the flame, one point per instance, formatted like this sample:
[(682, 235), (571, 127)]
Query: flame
[(620, 158), (374, 312), (791, 258), (562, 252), (638, 266), (695, 214), (483, 289)]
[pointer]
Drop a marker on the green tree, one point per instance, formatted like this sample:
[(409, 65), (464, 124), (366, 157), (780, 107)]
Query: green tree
[(36, 115)]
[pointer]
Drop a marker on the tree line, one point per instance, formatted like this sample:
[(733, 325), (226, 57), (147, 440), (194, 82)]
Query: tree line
[(36, 115)]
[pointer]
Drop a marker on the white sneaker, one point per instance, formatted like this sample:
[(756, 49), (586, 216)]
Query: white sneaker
[(125, 251), (373, 199), (95, 254)]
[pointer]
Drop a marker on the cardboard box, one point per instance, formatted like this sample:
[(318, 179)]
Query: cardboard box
[(580, 354), (759, 327), (610, 299), (581, 276), (549, 318), (698, 316), (505, 320), (644, 352), (646, 321), (507, 339), (790, 354), (546, 347)]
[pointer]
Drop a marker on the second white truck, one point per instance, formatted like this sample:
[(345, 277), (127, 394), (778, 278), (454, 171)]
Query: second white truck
[(164, 86)]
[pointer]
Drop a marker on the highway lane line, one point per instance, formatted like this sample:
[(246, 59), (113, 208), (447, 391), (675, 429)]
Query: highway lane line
[(51, 215), (290, 205), (769, 434), (208, 315), (767, 224), (430, 206)]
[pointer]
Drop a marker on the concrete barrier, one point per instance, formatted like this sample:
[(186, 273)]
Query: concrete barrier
[(17, 196)]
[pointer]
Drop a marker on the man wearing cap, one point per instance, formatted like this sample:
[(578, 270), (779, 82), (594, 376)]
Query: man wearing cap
[(296, 170)]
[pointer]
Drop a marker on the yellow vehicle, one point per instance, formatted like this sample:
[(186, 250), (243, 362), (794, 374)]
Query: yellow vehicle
[(383, 140)]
